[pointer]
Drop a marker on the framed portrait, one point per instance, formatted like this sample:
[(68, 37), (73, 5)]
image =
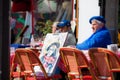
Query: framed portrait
[(49, 55)]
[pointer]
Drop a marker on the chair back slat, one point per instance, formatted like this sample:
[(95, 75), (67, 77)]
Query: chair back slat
[(81, 59), (25, 61), (69, 60)]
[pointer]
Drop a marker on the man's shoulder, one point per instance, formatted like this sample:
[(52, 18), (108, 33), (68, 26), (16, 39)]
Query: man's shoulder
[(103, 31), (71, 35)]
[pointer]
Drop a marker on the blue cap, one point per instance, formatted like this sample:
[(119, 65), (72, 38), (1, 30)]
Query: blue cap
[(99, 18), (64, 23)]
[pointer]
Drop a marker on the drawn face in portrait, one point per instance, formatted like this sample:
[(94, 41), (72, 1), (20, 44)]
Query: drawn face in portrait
[(52, 49)]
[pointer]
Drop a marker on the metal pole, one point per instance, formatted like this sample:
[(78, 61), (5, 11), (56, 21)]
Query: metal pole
[(102, 4), (4, 39)]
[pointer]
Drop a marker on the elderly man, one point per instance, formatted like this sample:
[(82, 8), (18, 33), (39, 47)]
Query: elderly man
[(100, 37)]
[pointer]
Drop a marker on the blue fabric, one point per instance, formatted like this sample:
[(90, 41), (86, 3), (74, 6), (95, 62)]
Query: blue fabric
[(57, 70), (19, 46), (64, 23), (99, 18), (101, 38)]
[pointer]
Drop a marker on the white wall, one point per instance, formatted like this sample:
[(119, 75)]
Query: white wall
[(87, 9)]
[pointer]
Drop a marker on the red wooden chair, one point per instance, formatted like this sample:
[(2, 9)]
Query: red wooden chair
[(105, 63), (26, 59), (75, 61), (35, 50)]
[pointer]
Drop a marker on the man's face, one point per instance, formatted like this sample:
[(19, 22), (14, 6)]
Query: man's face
[(53, 29), (63, 29), (95, 26)]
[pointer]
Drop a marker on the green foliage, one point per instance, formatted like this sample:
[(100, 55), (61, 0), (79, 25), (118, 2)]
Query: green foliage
[(48, 27), (42, 28)]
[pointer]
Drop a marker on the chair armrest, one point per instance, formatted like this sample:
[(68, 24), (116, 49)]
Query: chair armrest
[(82, 66), (115, 70), (36, 64)]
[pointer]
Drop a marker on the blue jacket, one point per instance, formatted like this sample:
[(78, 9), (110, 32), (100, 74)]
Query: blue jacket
[(101, 38)]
